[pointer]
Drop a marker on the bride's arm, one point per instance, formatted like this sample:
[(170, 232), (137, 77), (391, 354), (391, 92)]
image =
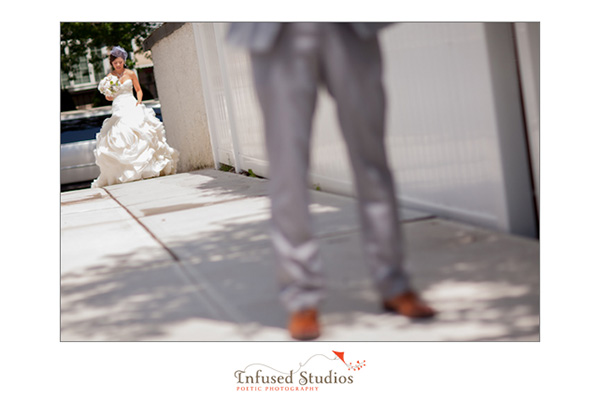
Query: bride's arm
[(138, 89)]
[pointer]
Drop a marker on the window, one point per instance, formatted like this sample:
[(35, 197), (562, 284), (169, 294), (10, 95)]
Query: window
[(64, 80), (86, 71), (98, 65), (81, 72)]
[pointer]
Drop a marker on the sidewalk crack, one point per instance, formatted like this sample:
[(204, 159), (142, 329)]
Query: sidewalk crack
[(160, 242), (208, 296)]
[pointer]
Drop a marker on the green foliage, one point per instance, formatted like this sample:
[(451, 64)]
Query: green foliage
[(229, 168), (81, 36), (226, 168)]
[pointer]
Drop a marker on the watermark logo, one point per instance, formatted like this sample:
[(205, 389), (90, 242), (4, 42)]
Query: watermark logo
[(354, 367), (323, 370)]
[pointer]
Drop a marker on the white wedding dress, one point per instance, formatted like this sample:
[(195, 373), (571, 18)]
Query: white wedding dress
[(131, 144)]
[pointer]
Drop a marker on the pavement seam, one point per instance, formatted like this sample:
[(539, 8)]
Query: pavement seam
[(216, 300), (164, 246), (211, 298)]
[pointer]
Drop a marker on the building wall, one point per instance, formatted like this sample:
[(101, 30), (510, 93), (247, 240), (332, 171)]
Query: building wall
[(456, 134), (179, 87)]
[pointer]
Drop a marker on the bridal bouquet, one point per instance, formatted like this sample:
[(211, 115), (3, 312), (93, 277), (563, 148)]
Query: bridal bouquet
[(109, 86)]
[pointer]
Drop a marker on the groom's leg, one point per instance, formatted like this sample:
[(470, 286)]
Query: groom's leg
[(353, 70), (286, 84)]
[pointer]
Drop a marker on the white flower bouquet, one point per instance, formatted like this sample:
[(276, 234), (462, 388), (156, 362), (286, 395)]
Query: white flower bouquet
[(109, 86)]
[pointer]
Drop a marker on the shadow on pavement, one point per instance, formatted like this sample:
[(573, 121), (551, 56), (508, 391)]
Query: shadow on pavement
[(222, 284)]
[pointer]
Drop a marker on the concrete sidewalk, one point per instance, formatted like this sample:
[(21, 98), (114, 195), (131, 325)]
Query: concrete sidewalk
[(187, 257)]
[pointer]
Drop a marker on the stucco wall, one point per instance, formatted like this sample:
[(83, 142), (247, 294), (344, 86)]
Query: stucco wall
[(180, 93)]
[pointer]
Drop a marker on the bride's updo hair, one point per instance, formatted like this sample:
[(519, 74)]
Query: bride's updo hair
[(117, 52)]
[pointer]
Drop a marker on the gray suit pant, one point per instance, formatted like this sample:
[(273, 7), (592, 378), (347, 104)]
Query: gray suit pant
[(286, 79)]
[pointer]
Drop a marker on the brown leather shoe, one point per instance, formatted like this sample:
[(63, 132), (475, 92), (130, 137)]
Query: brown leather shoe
[(304, 325), (409, 305)]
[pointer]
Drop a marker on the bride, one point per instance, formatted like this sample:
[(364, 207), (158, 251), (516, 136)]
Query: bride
[(131, 144)]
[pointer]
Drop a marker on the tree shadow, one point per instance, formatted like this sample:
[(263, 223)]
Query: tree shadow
[(485, 285)]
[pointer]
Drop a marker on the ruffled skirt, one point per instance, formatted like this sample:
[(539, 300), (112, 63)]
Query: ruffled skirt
[(131, 145)]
